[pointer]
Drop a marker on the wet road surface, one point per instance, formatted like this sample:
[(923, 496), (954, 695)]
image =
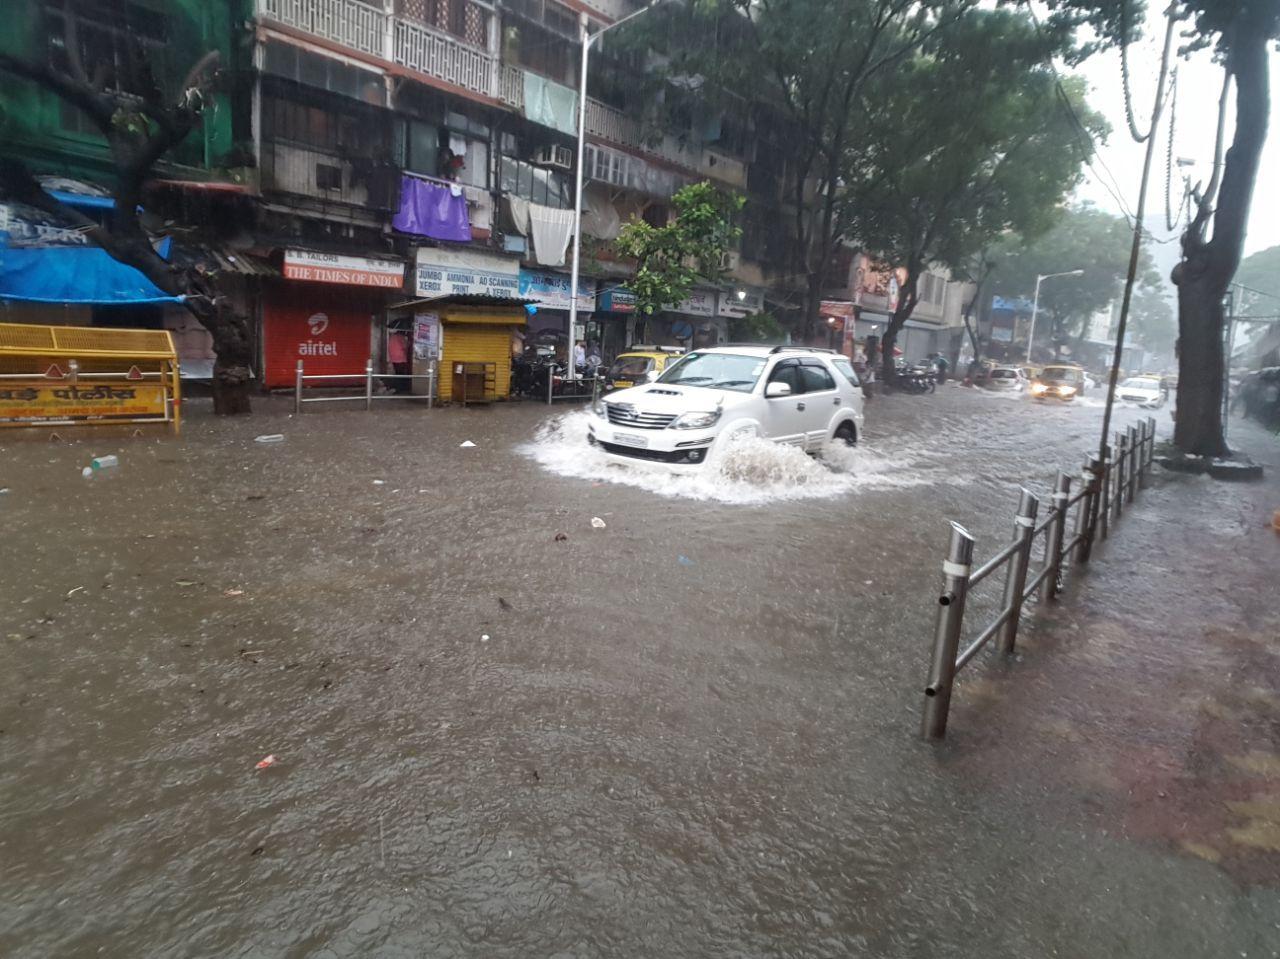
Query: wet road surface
[(690, 733)]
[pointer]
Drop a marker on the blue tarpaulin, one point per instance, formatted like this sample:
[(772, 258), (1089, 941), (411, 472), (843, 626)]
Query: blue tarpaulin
[(72, 274)]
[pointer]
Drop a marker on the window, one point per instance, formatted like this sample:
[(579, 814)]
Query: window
[(324, 73), (932, 288), (815, 376), (364, 133), (846, 369), (535, 184), (468, 22), (788, 371), (423, 148), (328, 177)]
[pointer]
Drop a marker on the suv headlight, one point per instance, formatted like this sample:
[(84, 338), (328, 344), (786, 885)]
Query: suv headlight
[(1037, 387), (696, 421)]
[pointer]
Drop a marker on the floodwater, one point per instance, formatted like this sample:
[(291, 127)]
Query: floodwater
[(690, 733)]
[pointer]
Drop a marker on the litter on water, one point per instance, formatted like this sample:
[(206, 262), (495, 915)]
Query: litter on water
[(269, 438), (466, 444)]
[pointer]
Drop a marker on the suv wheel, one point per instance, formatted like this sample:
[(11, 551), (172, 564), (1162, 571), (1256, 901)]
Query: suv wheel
[(847, 434)]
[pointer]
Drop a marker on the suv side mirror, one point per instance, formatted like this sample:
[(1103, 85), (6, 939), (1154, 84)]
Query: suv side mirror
[(775, 389)]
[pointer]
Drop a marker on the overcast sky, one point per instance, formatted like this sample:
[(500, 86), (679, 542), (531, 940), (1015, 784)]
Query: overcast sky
[(1199, 85)]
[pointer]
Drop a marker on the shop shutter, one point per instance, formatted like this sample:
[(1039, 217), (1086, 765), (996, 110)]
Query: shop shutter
[(329, 333), (472, 343)]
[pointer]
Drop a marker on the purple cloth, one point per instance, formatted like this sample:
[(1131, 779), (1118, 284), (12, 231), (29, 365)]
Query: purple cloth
[(429, 209)]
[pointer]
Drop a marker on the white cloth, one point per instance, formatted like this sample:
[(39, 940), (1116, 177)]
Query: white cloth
[(579, 356), (519, 209), (599, 217), (550, 229), (458, 145)]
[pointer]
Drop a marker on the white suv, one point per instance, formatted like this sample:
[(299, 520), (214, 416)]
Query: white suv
[(795, 395)]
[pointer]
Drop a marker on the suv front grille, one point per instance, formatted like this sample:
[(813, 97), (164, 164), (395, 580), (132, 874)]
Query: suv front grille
[(622, 414)]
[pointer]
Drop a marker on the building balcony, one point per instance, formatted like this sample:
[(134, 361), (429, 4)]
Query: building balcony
[(373, 31)]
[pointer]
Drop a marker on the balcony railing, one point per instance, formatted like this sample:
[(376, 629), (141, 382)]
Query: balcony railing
[(370, 30), (348, 22), (440, 55), (511, 87)]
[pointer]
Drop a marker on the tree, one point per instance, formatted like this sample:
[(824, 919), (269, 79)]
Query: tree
[(671, 258), (1153, 320), (1239, 32), (1083, 238), (805, 63), (964, 143), (143, 115)]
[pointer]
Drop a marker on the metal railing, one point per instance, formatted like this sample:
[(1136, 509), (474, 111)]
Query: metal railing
[(367, 395), (1106, 487), (573, 389), (347, 22)]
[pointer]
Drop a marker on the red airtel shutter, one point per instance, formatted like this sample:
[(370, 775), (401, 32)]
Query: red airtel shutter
[(330, 334)]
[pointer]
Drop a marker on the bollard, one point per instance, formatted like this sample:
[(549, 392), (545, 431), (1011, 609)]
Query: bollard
[(1054, 534), (946, 643), (1136, 454), (550, 378), (1151, 447), (297, 390), (1122, 463), (368, 384), (1024, 525), (1143, 442), (1086, 512)]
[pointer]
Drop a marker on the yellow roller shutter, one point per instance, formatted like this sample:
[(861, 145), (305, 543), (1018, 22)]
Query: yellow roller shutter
[(473, 343)]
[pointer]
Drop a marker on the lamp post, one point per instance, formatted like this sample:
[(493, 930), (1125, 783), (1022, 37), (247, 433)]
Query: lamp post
[(587, 38), (1035, 304)]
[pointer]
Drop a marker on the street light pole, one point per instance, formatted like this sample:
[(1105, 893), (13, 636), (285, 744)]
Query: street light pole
[(1035, 304), (586, 38)]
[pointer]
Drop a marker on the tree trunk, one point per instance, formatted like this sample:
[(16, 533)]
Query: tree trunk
[(1207, 268), (1198, 427), (902, 312), (233, 349)]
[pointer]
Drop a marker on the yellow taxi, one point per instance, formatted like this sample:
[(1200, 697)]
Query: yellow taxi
[(640, 364), (1058, 382)]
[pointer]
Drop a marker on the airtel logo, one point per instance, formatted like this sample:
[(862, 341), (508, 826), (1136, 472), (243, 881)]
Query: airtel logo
[(319, 322)]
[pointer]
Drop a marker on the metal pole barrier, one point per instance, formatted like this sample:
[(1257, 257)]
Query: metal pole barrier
[(1151, 450), (1122, 462), (946, 640), (368, 385), (1142, 455), (431, 383), (1104, 504), (550, 377), (1024, 526), (1136, 453), (297, 390), (1054, 535), (1087, 517)]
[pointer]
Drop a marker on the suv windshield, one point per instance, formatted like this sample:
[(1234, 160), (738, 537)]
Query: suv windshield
[(716, 371), (1003, 375)]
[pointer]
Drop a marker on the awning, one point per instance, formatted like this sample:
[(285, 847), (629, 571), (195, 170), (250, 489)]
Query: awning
[(461, 299), (220, 259), (73, 275)]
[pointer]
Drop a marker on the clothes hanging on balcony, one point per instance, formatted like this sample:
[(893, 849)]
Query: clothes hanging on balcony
[(550, 229), (431, 209), (551, 104), (515, 214), (599, 216)]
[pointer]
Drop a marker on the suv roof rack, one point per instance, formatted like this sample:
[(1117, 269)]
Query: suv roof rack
[(805, 349)]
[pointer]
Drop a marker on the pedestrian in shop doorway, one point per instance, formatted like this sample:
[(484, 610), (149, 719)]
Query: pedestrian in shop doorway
[(398, 357), (580, 355)]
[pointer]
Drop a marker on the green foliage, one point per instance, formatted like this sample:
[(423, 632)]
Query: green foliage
[(966, 142), (1152, 319), (671, 258), (1084, 238), (755, 328), (1261, 273)]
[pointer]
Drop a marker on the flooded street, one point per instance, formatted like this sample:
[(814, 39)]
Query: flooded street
[(690, 733)]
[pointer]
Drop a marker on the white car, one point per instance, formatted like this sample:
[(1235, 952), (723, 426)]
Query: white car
[(1008, 379), (795, 395), (1146, 391)]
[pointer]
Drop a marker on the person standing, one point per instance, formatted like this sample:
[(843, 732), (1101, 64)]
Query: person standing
[(580, 355), (941, 364), (398, 357)]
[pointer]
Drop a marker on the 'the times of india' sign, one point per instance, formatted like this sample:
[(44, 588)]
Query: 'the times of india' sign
[(442, 272), (24, 403), (346, 270)]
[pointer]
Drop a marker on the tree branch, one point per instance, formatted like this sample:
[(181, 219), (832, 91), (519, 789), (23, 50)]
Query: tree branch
[(79, 94)]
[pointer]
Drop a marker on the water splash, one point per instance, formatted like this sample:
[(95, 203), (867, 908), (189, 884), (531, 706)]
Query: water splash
[(752, 471)]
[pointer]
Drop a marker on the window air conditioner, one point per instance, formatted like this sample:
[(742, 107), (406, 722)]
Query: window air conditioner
[(729, 260), (554, 156)]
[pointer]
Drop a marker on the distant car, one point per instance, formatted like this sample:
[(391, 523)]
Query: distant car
[(1006, 379), (1146, 391), (791, 395), (1058, 383)]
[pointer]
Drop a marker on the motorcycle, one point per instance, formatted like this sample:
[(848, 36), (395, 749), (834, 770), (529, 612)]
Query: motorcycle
[(916, 379)]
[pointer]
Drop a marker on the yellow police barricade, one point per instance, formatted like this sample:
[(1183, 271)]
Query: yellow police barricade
[(75, 375)]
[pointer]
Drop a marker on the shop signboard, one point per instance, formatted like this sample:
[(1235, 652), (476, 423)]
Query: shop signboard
[(344, 270), (428, 338), (332, 340), (698, 303), (617, 300), (836, 308), (739, 303), (441, 272), (551, 290)]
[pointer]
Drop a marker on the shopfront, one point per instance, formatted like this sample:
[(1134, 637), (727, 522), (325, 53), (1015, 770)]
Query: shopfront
[(469, 304), (548, 295), (325, 312)]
